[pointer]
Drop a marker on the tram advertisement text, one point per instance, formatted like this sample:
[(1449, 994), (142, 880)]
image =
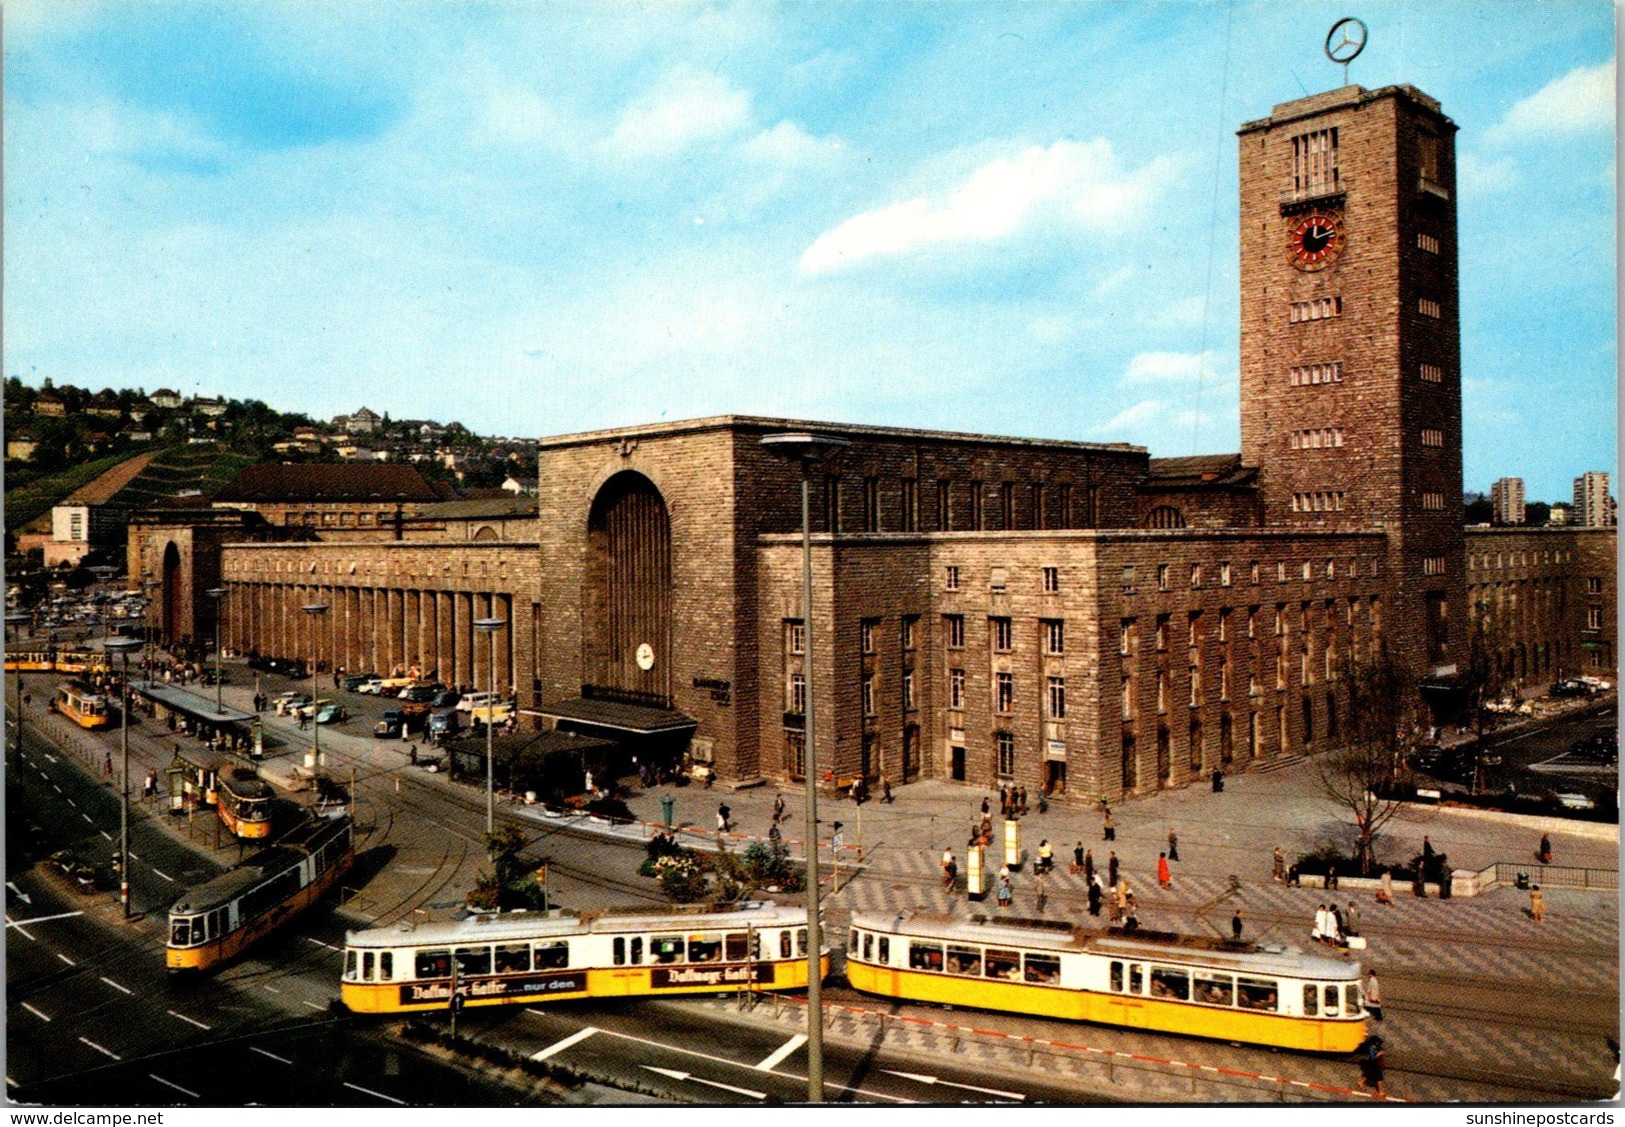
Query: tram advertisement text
[(663, 977), (416, 993)]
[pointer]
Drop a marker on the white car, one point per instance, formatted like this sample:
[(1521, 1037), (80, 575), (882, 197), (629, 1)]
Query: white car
[(1576, 802), (371, 685), (475, 700)]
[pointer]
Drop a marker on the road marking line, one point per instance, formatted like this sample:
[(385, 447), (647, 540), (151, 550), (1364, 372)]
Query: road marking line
[(172, 1084), (21, 895), (319, 943), (56, 788), (370, 1092), (100, 1049), (272, 989), (934, 1081), (35, 1012), (575, 1038), (73, 804), (19, 924), (189, 1020), (769, 1063), (161, 873), (86, 817), (65, 959), (105, 834), (267, 1053), (116, 985), (678, 1075), (312, 1005)]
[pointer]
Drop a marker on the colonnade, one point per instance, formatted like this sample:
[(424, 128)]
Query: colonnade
[(376, 629)]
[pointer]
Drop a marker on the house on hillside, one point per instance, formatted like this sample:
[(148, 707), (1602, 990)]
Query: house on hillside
[(49, 404), (213, 408), (21, 447), (520, 485), (104, 404), (363, 421), (165, 399)]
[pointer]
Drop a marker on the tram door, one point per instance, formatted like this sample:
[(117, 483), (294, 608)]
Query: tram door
[(1125, 1003)]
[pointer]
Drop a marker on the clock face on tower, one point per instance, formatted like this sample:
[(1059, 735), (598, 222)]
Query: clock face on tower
[(1315, 239)]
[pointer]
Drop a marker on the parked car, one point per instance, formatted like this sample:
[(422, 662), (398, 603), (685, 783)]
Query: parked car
[(332, 714), (1570, 688), (470, 701), (293, 699), (447, 698), (352, 682), (419, 694), (447, 722), (391, 726), (392, 686), (309, 708), (1575, 802), (495, 713), (370, 685)]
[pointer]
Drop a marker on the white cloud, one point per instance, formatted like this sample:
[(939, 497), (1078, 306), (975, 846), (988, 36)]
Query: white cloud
[(1478, 175), (787, 144), (685, 109), (1079, 182), (1580, 101), (1178, 367), (1143, 412)]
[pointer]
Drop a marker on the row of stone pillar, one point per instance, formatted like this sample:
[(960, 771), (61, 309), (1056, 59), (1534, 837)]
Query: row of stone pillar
[(385, 630)]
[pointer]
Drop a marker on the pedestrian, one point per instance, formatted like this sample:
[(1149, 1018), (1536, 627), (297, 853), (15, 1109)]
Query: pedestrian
[(1331, 876), (1418, 888), (108, 765), (1004, 803), (1164, 877), (1006, 891), (1021, 801), (1278, 872), (1111, 826), (778, 808), (1088, 864), (1373, 996), (1371, 1064), (1545, 853), (1111, 869), (1351, 920), (1336, 911), (857, 790), (1427, 852), (1173, 845), (1537, 903), (950, 869), (1118, 901), (1235, 927), (1094, 896), (1318, 933), (1046, 856), (722, 820), (1218, 782), (885, 790), (1077, 859), (1385, 891)]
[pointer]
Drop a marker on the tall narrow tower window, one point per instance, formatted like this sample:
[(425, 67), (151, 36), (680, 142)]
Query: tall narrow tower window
[(1314, 162)]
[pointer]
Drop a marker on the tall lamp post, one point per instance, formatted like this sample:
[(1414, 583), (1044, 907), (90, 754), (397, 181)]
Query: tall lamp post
[(489, 627), (122, 647), (218, 594), (315, 610), (808, 449)]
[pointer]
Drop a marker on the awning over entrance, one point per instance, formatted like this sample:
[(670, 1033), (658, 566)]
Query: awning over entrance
[(616, 720), (190, 705)]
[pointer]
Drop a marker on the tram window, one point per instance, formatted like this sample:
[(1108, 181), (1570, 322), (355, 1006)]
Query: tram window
[(183, 933), (1166, 982), (1256, 994), (1044, 969), (473, 960), (801, 942), (1136, 978), (637, 950), (512, 957), (553, 956), (433, 964), (925, 956), (1328, 1004), (366, 966), (1002, 964), (349, 965), (666, 948), (964, 960), (620, 950), (868, 947), (1117, 978), (784, 944), (1352, 1002), (705, 948), (1214, 990), (386, 966), (885, 950), (1311, 999), (755, 945), (737, 946)]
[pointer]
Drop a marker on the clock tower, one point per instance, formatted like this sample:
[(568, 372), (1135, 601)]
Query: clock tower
[(1350, 343)]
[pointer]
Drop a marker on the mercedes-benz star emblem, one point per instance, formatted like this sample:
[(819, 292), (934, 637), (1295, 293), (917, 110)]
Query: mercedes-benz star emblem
[(1345, 40)]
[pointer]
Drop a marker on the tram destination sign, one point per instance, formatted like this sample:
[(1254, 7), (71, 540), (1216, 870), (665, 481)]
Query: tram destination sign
[(417, 993), (663, 977)]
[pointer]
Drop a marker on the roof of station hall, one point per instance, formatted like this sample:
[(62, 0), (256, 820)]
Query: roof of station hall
[(343, 481), (857, 430)]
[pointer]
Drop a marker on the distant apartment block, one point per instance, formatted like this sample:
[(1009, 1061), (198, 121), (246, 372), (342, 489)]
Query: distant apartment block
[(1506, 496), (1592, 506)]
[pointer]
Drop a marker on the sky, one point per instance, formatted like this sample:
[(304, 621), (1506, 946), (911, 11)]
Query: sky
[(991, 217)]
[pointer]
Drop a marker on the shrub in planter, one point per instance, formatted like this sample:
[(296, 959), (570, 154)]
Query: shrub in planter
[(683, 883)]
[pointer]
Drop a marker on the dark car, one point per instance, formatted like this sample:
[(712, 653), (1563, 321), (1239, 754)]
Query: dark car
[(447, 698), (1450, 764), (1564, 689), (353, 680), (445, 723), (389, 728), (419, 694)]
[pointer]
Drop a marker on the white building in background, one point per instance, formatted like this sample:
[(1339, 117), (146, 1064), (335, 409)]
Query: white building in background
[(1506, 496), (1593, 508)]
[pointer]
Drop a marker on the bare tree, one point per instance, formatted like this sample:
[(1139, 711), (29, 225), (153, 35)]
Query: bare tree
[(1358, 777)]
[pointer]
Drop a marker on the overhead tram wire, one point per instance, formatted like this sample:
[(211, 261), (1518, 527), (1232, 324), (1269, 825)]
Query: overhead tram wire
[(1212, 232)]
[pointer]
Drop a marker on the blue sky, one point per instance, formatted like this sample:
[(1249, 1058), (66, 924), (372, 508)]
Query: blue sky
[(1014, 218)]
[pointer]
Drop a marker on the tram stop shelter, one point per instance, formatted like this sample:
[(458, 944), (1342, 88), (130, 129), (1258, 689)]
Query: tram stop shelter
[(193, 715), (550, 764), (656, 736)]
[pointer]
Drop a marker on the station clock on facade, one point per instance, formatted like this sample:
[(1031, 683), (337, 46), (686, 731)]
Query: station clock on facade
[(1316, 239)]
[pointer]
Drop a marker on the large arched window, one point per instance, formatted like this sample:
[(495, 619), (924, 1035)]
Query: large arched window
[(627, 611), (1165, 516)]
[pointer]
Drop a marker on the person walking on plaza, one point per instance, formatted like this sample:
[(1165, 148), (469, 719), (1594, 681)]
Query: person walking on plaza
[(1385, 892), (722, 817), (1331, 876), (1173, 845), (1046, 856), (1371, 1064), (1094, 896), (108, 765), (1111, 826), (1235, 927), (1021, 802), (1279, 870), (1111, 869), (1351, 921), (1218, 782), (1545, 853), (950, 869), (1006, 887), (1088, 864), (1077, 858), (885, 790), (1319, 932), (1373, 996), (1537, 903), (1164, 877), (778, 808)]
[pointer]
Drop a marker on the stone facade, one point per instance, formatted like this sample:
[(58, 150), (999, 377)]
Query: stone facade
[(1545, 600)]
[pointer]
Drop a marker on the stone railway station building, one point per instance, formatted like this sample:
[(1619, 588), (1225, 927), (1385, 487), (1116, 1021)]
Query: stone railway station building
[(1072, 617)]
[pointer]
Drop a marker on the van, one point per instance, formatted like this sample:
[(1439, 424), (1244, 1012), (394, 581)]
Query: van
[(445, 723), (469, 701)]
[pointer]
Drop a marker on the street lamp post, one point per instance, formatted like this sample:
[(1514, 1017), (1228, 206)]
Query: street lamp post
[(489, 627), (218, 594), (315, 610), (808, 449), (123, 646), (16, 621)]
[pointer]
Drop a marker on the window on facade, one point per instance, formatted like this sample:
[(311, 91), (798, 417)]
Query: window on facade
[(1036, 507), (1432, 373), (1318, 309), (950, 578), (1224, 678), (1313, 375), (1432, 436), (1128, 698), (1005, 742), (956, 688), (1196, 576), (1194, 628), (908, 632), (1196, 686), (911, 505), (1314, 162), (977, 521), (1057, 697), (1004, 691), (1593, 585), (798, 694), (1593, 618), (1280, 571), (832, 504), (1433, 565), (1054, 636), (1162, 690), (1162, 577), (1308, 571), (1253, 569), (1316, 438), (1224, 573), (944, 506), (1007, 505), (954, 629), (871, 504), (1164, 633), (908, 690), (1426, 242), (1427, 307), (868, 694), (1125, 636), (1052, 580), (998, 578), (797, 632), (1002, 634), (1433, 500), (1128, 579)]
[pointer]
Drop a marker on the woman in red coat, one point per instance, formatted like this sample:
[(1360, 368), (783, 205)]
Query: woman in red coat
[(1164, 877)]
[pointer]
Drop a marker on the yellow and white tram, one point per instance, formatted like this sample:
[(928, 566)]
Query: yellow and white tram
[(243, 800), (82, 704), (1265, 995), (220, 918), (536, 956)]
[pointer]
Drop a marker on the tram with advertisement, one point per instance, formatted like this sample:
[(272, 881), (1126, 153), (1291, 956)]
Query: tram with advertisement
[(30, 660), (1190, 984), (530, 957), (49, 659), (222, 917), (85, 706)]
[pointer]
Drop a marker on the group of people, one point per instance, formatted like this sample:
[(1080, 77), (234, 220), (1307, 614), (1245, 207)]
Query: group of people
[(1012, 802), (1335, 925)]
